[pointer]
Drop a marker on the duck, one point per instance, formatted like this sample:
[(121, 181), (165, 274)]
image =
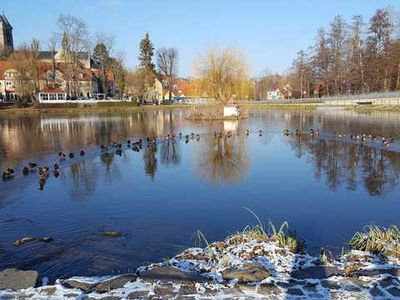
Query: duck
[(71, 155), (260, 133), (103, 148), (29, 168), (8, 174), (82, 153), (197, 137), (56, 167), (43, 173), (118, 152), (42, 182), (61, 156), (247, 132)]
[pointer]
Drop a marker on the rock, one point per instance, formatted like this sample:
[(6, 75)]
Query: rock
[(295, 291), (104, 298), (330, 285), (164, 291), (250, 272), (17, 279), (394, 291), (24, 240), (269, 289), (375, 272), (138, 295), (114, 283), (85, 286), (111, 234), (317, 272), (376, 292), (187, 289), (171, 274)]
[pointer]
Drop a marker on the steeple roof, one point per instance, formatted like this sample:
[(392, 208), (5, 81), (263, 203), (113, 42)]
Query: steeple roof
[(4, 20)]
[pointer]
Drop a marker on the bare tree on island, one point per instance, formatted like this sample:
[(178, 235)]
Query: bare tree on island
[(167, 64), (223, 73)]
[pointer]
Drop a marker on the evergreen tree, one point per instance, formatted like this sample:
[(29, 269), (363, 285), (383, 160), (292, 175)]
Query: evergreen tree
[(146, 52), (101, 58)]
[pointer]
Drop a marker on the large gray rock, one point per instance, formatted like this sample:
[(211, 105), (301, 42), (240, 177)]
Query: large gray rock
[(318, 272), (171, 274), (250, 272), (17, 279), (85, 286), (114, 283)]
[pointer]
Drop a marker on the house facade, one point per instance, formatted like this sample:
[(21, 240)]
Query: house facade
[(56, 72)]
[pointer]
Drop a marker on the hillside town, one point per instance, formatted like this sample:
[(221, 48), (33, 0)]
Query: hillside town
[(31, 74)]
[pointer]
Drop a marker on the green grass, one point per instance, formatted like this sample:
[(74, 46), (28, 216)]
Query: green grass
[(281, 235), (377, 240)]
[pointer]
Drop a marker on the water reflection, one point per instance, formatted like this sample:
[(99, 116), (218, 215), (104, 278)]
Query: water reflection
[(150, 160), (223, 159), (161, 194), (340, 163)]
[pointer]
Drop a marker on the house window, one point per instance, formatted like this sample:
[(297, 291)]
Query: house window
[(45, 97), (60, 96)]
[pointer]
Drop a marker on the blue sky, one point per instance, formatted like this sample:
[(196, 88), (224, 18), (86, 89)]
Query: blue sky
[(270, 33)]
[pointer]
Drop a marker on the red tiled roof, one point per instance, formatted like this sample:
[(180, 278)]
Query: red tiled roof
[(4, 66), (52, 90)]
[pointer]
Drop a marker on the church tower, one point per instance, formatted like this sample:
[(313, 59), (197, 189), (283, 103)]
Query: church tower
[(6, 36)]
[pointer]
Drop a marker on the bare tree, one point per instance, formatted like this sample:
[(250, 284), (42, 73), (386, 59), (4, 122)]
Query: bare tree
[(74, 39), (26, 63), (224, 73), (167, 59)]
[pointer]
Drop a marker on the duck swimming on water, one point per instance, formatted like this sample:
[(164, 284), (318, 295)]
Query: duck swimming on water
[(8, 174), (61, 156)]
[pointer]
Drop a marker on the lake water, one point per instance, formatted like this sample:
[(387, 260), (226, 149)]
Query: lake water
[(326, 188)]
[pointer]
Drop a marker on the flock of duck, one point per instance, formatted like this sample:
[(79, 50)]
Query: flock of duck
[(113, 147), (151, 142), (386, 141)]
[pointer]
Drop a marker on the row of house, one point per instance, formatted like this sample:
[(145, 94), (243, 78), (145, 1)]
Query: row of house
[(159, 91), (57, 81)]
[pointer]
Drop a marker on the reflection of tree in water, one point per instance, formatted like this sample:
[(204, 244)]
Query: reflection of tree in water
[(111, 169), (341, 163), (223, 159), (83, 179), (169, 153), (150, 160)]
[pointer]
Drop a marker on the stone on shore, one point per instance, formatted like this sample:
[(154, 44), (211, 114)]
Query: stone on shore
[(249, 272), (171, 274), (317, 272), (17, 279), (76, 283), (114, 283)]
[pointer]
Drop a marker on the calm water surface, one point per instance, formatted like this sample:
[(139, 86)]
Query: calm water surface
[(325, 188)]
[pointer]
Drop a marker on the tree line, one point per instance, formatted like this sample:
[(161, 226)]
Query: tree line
[(348, 57)]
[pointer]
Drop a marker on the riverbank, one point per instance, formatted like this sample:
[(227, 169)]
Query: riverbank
[(247, 265), (98, 108), (109, 107)]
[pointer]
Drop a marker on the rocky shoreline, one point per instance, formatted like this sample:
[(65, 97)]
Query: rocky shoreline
[(244, 266)]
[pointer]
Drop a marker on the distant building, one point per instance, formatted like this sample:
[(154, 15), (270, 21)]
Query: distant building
[(82, 81), (275, 95), (155, 92), (6, 37)]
